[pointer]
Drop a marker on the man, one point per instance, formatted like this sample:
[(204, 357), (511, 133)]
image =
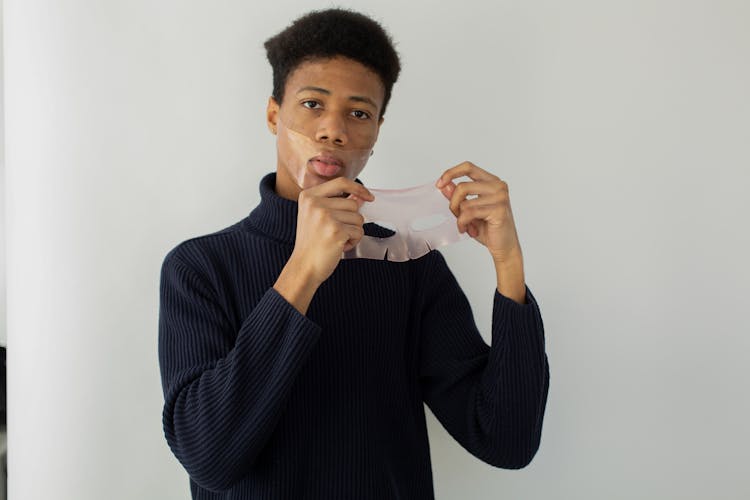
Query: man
[(291, 373)]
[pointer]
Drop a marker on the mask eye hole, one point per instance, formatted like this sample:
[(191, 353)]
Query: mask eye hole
[(428, 222)]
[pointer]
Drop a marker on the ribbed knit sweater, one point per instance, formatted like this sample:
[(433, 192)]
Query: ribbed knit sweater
[(263, 402)]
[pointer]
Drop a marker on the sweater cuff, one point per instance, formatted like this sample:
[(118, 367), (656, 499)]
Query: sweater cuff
[(509, 315), (273, 303), (508, 302)]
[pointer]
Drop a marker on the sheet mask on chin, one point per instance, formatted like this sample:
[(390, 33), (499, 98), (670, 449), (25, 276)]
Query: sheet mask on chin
[(420, 216), (304, 147)]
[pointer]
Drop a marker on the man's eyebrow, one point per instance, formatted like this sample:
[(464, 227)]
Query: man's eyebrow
[(357, 98), (361, 98)]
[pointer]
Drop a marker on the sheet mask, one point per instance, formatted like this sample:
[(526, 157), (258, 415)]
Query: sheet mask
[(301, 147), (420, 216)]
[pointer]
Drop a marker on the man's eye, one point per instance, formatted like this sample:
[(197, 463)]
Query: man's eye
[(311, 104), (361, 114)]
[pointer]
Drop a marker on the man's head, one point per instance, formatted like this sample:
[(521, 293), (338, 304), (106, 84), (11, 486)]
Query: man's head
[(325, 34), (333, 71)]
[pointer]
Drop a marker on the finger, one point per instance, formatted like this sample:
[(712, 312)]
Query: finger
[(465, 168), (356, 198), (347, 204), (483, 190), (348, 218), (476, 187), (355, 234), (448, 189), (341, 233), (341, 186), (487, 200), (476, 213)]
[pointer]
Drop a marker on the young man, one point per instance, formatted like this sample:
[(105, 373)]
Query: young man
[(291, 373)]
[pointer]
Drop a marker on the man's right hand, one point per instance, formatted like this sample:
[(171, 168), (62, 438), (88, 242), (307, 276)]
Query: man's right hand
[(328, 224)]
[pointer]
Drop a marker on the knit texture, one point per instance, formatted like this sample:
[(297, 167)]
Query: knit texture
[(262, 402)]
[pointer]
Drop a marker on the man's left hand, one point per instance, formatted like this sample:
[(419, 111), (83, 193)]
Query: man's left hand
[(487, 217)]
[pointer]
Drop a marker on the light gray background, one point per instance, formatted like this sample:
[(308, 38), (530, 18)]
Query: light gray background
[(622, 129)]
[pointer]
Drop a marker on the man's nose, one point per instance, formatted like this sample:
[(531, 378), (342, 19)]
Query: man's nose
[(332, 128)]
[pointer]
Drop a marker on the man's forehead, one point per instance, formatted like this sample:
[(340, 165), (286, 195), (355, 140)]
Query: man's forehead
[(337, 77)]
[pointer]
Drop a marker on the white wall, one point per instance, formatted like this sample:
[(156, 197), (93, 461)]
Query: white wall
[(621, 127), (3, 334)]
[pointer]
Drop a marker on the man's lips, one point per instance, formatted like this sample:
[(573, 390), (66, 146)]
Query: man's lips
[(326, 165)]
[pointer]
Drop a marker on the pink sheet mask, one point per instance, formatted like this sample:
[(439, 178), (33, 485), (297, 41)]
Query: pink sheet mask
[(420, 216)]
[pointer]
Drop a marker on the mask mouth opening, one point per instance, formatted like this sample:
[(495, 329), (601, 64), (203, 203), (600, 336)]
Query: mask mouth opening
[(376, 230), (385, 224)]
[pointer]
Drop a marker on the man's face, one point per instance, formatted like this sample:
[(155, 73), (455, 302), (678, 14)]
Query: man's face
[(327, 124)]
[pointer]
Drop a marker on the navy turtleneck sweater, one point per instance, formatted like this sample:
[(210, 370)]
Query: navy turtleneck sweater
[(262, 402)]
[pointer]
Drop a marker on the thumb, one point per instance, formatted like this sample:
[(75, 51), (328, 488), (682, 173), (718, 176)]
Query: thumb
[(448, 189)]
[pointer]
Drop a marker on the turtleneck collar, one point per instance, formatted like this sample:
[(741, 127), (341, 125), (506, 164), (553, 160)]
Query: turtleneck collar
[(275, 215)]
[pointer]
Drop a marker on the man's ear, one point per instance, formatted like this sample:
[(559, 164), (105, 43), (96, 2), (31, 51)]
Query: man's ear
[(272, 114)]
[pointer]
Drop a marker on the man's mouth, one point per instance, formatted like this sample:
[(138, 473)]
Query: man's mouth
[(326, 165)]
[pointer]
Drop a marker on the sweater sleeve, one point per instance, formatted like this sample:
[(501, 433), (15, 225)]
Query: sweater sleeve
[(490, 399), (224, 390)]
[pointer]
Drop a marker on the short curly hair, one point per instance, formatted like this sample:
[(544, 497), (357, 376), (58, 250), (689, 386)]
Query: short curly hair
[(323, 34)]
